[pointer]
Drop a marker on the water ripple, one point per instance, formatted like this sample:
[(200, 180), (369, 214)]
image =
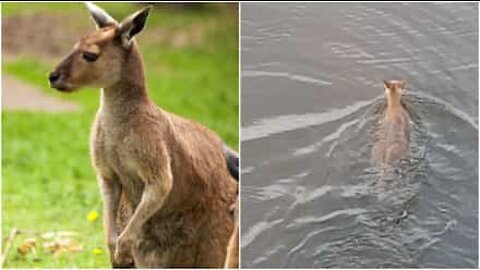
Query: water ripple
[(269, 126)]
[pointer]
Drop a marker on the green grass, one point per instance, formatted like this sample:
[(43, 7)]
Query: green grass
[(48, 183)]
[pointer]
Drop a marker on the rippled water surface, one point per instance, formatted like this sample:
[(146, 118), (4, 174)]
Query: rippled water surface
[(311, 95)]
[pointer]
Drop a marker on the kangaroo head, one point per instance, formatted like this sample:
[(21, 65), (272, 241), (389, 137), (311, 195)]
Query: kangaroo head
[(97, 59), (393, 87)]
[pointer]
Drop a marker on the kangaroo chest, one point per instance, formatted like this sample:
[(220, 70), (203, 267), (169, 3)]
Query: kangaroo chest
[(114, 156)]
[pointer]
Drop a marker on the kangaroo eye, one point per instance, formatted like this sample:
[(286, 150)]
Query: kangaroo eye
[(89, 56)]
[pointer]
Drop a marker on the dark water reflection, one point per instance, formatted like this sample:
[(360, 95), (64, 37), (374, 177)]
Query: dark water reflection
[(311, 93)]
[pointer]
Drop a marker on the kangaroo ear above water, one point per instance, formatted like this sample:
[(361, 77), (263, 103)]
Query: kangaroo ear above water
[(387, 84), (394, 84)]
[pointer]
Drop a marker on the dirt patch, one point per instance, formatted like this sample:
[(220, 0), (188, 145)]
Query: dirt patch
[(42, 35), (19, 96), (51, 36)]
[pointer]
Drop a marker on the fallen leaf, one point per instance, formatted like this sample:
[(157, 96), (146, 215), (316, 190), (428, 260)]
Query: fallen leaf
[(27, 246), (62, 245)]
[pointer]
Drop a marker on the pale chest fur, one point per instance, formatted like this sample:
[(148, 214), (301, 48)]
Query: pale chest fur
[(117, 155)]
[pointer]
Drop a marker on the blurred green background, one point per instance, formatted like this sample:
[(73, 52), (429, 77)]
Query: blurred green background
[(48, 184)]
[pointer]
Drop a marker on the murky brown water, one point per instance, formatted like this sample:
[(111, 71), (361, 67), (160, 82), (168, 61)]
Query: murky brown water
[(311, 91)]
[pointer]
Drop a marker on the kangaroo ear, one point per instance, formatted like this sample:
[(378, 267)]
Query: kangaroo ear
[(100, 16), (402, 84), (387, 84), (132, 25)]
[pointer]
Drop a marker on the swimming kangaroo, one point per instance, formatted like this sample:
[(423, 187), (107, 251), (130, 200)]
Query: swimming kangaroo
[(165, 182), (393, 136)]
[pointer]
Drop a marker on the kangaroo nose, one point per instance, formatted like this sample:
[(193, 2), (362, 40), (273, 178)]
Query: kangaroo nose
[(54, 76)]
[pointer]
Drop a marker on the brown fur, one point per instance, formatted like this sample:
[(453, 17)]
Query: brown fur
[(232, 260), (232, 253), (393, 136), (164, 180)]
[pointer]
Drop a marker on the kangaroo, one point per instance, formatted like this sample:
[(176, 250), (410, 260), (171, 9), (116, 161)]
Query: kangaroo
[(164, 180), (393, 137)]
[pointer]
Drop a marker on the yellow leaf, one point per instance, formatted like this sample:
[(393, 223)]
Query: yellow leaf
[(97, 251), (92, 216)]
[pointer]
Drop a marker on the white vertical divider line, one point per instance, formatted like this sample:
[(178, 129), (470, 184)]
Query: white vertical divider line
[(240, 133)]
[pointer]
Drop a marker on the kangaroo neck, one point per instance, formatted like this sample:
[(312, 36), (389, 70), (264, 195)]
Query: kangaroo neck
[(394, 101), (130, 92), (394, 106)]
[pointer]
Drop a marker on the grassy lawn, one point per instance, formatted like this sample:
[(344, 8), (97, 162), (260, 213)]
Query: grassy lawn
[(48, 184)]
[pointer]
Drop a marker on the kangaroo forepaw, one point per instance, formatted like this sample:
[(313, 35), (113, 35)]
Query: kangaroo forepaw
[(123, 257), (124, 265)]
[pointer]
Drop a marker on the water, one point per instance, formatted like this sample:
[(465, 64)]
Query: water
[(311, 94)]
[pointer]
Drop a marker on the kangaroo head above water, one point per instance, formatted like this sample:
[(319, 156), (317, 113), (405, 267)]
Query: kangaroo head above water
[(98, 58), (393, 91), (394, 86)]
